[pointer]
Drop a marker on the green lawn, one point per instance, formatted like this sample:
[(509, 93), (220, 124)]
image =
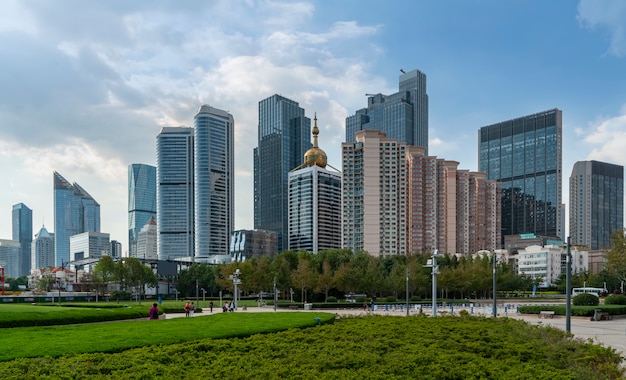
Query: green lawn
[(121, 335)]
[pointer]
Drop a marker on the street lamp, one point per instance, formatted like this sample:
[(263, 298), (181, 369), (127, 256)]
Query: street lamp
[(236, 281), (432, 263), (495, 305), (203, 295), (407, 291)]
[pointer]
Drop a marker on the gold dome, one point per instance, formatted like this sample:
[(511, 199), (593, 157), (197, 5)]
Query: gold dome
[(315, 156)]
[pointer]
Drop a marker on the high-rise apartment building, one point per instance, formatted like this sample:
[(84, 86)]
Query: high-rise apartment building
[(397, 200), (596, 195), (42, 249), (314, 203), (141, 201), (75, 212), (525, 156), (23, 232), (175, 197), (403, 116), (214, 181), (284, 136)]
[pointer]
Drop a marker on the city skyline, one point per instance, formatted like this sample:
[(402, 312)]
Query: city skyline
[(108, 77)]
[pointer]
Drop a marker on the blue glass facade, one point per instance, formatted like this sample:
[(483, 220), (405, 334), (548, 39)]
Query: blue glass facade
[(283, 138), (596, 203), (403, 116), (75, 212), (524, 156), (213, 181), (23, 232), (175, 198), (141, 201)]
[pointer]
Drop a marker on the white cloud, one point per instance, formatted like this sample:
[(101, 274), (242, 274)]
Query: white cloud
[(14, 17), (609, 15), (608, 137)]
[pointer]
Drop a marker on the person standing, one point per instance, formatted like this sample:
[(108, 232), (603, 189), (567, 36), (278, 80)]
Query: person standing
[(187, 309), (192, 309), (211, 306), (154, 312)]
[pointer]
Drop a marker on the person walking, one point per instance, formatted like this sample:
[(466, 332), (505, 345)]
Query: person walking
[(154, 312)]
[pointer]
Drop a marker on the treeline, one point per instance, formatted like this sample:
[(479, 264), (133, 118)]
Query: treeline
[(315, 277)]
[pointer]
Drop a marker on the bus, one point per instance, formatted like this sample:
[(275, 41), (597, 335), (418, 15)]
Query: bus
[(595, 291)]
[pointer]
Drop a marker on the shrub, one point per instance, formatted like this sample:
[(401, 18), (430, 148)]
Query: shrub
[(586, 299), (615, 299), (359, 299), (416, 299), (390, 299), (331, 299)]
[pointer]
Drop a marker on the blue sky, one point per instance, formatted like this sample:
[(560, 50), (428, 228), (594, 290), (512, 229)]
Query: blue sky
[(86, 86)]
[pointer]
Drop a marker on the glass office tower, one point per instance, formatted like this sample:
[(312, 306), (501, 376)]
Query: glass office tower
[(403, 116), (284, 137), (141, 201), (23, 232), (596, 195), (524, 156), (75, 212), (214, 181), (175, 199)]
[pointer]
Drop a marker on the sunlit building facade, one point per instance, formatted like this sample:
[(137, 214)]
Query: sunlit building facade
[(525, 156), (596, 194), (403, 116)]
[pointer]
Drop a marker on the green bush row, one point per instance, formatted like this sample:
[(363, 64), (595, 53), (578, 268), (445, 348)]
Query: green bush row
[(576, 311)]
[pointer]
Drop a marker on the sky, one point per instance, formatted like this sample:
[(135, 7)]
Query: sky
[(85, 86)]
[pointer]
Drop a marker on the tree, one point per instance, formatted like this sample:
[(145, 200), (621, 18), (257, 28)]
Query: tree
[(325, 280), (304, 277), (616, 257), (104, 272)]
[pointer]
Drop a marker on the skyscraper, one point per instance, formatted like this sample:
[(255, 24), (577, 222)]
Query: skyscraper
[(75, 212), (524, 155), (147, 241), (397, 200), (175, 199), (314, 203), (42, 249), (23, 232), (283, 138), (213, 181), (596, 195), (141, 201), (403, 116)]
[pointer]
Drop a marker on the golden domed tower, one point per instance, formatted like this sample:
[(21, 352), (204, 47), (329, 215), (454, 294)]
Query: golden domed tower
[(315, 156)]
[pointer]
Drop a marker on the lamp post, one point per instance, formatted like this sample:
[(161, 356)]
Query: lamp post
[(275, 294), (495, 281), (407, 291), (203, 295), (568, 287), (236, 281), (432, 263)]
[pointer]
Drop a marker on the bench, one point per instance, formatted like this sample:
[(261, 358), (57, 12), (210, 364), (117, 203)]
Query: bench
[(546, 314), (293, 307)]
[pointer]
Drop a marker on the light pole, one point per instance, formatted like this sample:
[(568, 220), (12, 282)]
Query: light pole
[(236, 281), (275, 294), (495, 281), (407, 291), (432, 263), (197, 292), (568, 288), (203, 295)]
